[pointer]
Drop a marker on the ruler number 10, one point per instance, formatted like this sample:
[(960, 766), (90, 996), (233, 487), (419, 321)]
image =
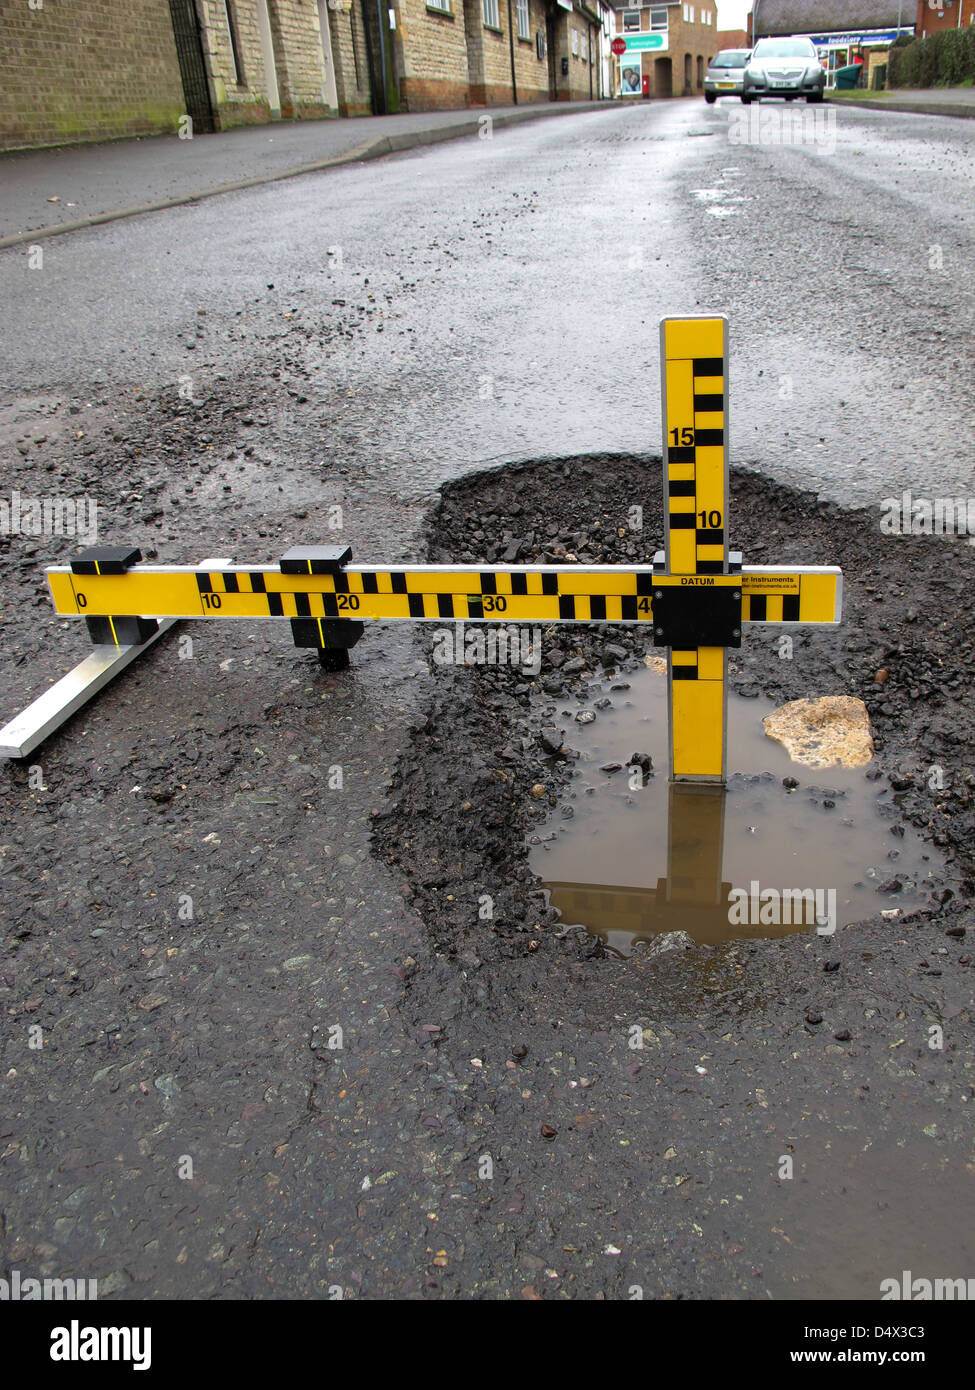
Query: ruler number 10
[(710, 521)]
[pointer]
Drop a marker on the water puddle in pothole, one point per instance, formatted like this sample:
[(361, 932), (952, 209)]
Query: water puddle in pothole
[(757, 859)]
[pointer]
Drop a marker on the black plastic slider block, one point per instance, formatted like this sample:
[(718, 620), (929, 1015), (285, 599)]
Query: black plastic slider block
[(693, 616), (121, 631), (315, 559), (327, 634), (106, 559)]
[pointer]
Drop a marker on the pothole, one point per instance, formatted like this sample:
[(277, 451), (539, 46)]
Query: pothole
[(784, 849), (479, 779)]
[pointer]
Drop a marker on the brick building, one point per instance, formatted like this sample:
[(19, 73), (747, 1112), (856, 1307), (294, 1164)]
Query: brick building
[(87, 71), (98, 69), (668, 46), (732, 38), (934, 15)]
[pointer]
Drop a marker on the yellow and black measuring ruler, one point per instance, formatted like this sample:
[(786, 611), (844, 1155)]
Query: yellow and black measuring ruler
[(519, 593), (696, 595)]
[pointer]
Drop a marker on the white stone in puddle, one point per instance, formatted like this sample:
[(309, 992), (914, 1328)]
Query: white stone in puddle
[(828, 731)]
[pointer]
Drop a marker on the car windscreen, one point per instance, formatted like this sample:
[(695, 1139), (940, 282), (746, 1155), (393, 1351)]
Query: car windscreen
[(785, 48), (730, 60)]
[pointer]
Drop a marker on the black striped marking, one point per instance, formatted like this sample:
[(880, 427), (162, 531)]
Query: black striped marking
[(756, 608), (790, 608), (445, 605), (684, 454), (398, 584), (302, 605), (597, 606), (683, 487), (682, 521), (230, 584), (550, 584), (203, 584), (709, 437), (684, 673), (709, 366), (416, 605), (567, 606), (257, 582), (708, 402), (519, 584), (709, 536), (274, 605)]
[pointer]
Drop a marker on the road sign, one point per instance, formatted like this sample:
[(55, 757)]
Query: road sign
[(645, 43), (696, 596), (618, 46)]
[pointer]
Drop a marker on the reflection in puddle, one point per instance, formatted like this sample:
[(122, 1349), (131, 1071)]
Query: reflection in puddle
[(632, 861)]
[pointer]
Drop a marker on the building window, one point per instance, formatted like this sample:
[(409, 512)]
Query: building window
[(489, 11), (631, 21), (582, 47), (689, 13), (658, 20), (523, 19), (236, 64), (575, 43), (442, 5)]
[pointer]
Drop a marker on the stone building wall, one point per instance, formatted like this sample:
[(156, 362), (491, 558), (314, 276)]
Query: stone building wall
[(433, 56), (91, 70)]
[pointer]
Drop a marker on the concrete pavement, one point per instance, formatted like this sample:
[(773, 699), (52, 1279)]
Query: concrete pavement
[(62, 189), (922, 101)]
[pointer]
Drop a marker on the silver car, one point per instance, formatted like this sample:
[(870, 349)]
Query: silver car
[(786, 68), (725, 72)]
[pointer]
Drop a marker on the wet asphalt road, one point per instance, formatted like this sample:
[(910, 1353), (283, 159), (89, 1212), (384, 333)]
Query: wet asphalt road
[(534, 267), (476, 303)]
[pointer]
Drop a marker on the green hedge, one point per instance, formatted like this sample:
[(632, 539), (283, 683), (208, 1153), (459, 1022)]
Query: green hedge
[(943, 59)]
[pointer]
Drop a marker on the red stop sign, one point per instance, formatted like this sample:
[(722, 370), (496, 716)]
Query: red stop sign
[(619, 47)]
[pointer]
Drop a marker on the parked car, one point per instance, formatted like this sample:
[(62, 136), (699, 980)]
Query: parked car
[(786, 68), (725, 72)]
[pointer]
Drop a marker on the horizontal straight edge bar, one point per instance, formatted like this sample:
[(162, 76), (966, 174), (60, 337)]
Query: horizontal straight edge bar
[(772, 594), (322, 583)]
